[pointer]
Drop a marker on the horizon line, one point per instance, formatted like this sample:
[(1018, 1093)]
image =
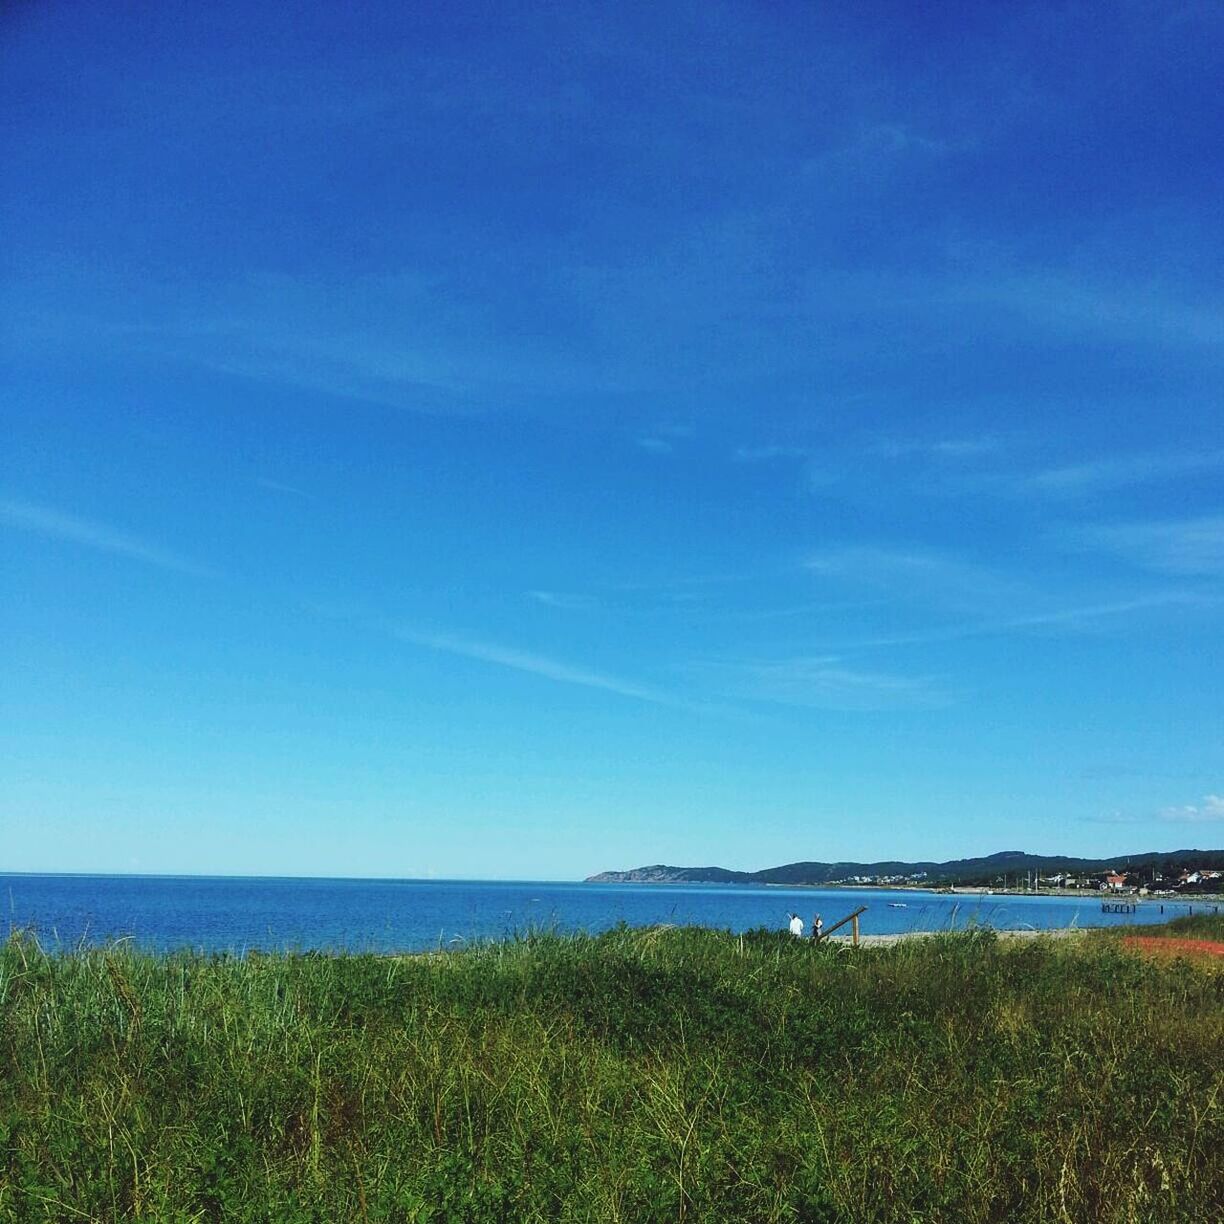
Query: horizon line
[(188, 875)]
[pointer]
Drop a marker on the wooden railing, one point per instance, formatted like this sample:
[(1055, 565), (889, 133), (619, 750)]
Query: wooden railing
[(850, 918)]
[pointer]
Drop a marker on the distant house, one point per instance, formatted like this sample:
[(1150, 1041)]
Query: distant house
[(1114, 882)]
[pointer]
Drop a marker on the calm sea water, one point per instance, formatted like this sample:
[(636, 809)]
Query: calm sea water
[(240, 914)]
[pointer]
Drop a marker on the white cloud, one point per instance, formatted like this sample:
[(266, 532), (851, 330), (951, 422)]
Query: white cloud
[(566, 600), (764, 454), (940, 448), (1115, 817), (1115, 472), (921, 575), (899, 138), (56, 525), (964, 448), (277, 486), (1067, 304), (1065, 618), (540, 665), (656, 446), (377, 339), (824, 682), (1192, 547), (1209, 808)]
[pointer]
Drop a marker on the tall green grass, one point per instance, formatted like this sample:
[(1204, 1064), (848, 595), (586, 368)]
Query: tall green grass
[(1188, 926), (634, 1076)]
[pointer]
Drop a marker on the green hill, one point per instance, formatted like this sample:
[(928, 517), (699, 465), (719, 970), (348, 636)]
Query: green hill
[(986, 870)]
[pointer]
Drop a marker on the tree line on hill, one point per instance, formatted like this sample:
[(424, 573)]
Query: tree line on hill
[(1162, 868)]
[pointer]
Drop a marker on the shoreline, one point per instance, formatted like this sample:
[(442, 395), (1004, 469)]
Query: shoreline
[(961, 890), (895, 937)]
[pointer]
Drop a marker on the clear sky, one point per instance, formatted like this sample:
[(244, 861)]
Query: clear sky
[(525, 439)]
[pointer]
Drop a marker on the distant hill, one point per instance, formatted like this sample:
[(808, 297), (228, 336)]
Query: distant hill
[(986, 870)]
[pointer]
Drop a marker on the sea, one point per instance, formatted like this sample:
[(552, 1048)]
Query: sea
[(247, 914)]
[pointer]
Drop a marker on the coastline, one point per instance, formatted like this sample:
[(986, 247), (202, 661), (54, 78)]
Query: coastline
[(961, 890), (1012, 936)]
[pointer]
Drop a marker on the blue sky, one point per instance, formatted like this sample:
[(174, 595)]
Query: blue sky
[(522, 440)]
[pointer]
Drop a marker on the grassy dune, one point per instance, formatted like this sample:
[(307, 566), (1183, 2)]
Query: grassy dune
[(1188, 926), (636, 1076)]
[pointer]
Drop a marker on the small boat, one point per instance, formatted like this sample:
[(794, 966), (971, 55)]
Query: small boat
[(897, 905)]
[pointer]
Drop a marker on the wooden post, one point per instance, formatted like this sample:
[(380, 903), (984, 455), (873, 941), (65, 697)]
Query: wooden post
[(852, 918)]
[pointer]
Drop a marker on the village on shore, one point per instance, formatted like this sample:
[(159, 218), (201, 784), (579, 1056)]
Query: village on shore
[(1202, 882)]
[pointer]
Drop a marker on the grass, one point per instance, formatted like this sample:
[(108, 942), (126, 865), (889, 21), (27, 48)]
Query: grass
[(1188, 926), (640, 1075)]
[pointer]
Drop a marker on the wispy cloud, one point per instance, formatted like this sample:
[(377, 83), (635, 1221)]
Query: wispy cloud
[(987, 602), (948, 466), (899, 138), (379, 339), (1069, 304), (769, 453), (1190, 547), (1112, 472), (1078, 617), (937, 448), (1208, 810), (1111, 771), (656, 446), (56, 525), (567, 601), (347, 368), (276, 486), (848, 463), (546, 668), (671, 595), (823, 682), (1117, 816), (918, 574), (662, 439), (868, 151), (810, 608), (1099, 611)]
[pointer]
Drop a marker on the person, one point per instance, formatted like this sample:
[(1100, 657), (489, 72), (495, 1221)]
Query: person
[(796, 926), (817, 928)]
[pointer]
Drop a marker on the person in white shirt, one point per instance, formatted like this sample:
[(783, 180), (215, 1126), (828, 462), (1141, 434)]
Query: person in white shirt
[(796, 926)]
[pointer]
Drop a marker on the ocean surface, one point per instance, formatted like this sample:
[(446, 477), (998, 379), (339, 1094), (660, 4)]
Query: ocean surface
[(239, 914)]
